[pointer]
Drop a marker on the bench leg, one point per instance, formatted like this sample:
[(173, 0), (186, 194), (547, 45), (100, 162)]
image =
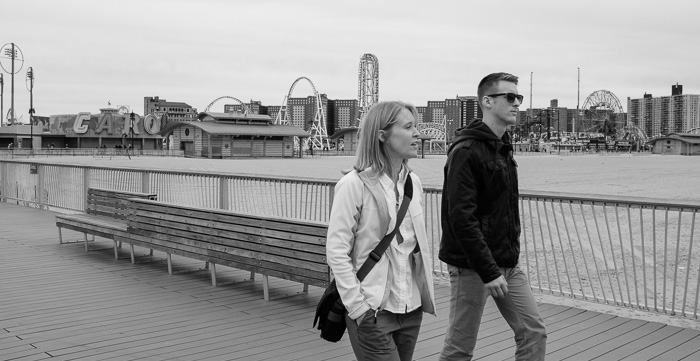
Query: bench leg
[(86, 241), (116, 252), (151, 252), (266, 288), (306, 288), (170, 264), (206, 265), (252, 276), (60, 236), (133, 259), (213, 274)]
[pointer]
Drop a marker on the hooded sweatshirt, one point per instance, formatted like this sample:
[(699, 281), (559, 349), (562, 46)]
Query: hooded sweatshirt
[(480, 215)]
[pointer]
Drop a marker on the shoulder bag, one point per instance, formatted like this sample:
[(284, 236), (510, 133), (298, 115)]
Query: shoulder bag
[(330, 311)]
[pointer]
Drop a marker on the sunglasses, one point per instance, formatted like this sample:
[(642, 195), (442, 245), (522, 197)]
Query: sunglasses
[(510, 97)]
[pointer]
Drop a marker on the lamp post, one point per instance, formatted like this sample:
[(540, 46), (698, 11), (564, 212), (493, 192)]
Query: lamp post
[(131, 129), (30, 87)]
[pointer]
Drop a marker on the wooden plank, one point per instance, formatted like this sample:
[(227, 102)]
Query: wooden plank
[(208, 213)]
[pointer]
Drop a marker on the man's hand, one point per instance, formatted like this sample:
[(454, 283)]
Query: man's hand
[(498, 287)]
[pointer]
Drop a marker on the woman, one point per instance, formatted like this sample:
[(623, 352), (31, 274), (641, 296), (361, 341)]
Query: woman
[(385, 310)]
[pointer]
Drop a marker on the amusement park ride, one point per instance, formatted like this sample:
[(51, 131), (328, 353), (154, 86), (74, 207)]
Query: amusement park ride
[(601, 120), (368, 95)]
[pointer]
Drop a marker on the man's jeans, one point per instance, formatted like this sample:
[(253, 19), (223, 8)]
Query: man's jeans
[(519, 309)]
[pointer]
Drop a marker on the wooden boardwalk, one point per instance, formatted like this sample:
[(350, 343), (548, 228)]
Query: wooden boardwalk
[(58, 302)]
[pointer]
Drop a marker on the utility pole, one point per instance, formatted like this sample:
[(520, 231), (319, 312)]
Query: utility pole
[(30, 87)]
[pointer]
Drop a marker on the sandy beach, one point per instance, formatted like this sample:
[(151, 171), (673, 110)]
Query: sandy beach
[(631, 175)]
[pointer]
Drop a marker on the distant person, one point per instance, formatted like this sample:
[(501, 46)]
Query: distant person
[(385, 310), (481, 228), (9, 146)]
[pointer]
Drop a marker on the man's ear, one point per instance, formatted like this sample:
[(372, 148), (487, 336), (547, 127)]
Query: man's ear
[(486, 102)]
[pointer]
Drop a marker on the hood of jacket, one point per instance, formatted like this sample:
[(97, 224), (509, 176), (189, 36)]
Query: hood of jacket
[(478, 130)]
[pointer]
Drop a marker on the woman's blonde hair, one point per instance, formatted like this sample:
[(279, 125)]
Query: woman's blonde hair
[(371, 152)]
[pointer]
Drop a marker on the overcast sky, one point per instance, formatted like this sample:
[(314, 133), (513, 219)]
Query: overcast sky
[(86, 53)]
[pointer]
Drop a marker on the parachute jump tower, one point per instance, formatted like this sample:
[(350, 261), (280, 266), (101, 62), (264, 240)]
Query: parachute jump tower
[(368, 87)]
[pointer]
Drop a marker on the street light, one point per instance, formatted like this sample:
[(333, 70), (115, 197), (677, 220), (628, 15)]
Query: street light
[(131, 128), (30, 87)]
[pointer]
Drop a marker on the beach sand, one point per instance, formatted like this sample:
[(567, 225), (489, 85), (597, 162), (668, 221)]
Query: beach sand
[(627, 175)]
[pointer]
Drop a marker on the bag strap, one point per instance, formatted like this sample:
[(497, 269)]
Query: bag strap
[(378, 251)]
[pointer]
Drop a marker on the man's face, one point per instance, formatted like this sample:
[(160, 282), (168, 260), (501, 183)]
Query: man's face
[(502, 109)]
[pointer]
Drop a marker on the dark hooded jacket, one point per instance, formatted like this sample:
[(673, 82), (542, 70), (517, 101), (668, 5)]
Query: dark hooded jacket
[(480, 216)]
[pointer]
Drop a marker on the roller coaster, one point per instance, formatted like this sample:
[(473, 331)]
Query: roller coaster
[(319, 135)]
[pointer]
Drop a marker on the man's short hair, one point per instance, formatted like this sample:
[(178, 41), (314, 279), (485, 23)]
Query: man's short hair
[(491, 80)]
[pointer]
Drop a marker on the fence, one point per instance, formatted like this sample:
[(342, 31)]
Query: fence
[(636, 253), (27, 153)]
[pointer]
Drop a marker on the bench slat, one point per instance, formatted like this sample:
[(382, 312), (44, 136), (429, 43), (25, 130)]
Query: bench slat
[(283, 224)]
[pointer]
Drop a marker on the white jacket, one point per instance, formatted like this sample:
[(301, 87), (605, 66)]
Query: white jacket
[(359, 220)]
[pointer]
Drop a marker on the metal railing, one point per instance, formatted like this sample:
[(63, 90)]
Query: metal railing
[(26, 153), (629, 252)]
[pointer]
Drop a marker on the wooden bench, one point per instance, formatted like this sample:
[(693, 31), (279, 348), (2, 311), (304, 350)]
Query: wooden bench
[(105, 215), (280, 247)]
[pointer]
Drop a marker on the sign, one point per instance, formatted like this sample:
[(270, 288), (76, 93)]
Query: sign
[(32, 168)]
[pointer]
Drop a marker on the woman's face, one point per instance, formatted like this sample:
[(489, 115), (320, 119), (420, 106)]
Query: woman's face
[(401, 139)]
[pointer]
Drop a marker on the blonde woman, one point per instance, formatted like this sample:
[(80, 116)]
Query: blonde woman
[(385, 310)]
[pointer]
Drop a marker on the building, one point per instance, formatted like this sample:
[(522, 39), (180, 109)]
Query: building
[(254, 107), (449, 114), (342, 113), (676, 144), (659, 116), (228, 135), (173, 111)]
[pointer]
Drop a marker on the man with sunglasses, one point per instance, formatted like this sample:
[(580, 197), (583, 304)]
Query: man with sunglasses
[(481, 228)]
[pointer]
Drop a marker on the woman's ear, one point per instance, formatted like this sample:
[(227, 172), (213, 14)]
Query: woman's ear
[(382, 136)]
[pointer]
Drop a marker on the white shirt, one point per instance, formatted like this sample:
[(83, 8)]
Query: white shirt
[(404, 295)]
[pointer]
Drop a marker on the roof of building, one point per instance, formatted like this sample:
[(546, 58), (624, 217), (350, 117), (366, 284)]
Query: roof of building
[(340, 132), (212, 116), (163, 103), (684, 137), (256, 130)]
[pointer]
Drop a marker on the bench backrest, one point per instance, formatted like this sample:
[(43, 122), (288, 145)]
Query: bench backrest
[(282, 247), (111, 203)]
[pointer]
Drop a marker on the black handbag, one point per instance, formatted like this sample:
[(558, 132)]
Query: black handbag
[(330, 311)]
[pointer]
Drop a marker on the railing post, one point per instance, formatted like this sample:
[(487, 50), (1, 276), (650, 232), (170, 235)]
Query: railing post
[(40, 184), (86, 185), (145, 182), (223, 193)]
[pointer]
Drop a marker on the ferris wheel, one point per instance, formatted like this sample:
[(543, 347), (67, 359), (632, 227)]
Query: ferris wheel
[(602, 112)]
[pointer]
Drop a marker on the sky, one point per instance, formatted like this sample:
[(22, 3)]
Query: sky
[(85, 54)]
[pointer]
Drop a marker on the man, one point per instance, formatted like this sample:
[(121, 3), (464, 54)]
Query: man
[(481, 228)]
